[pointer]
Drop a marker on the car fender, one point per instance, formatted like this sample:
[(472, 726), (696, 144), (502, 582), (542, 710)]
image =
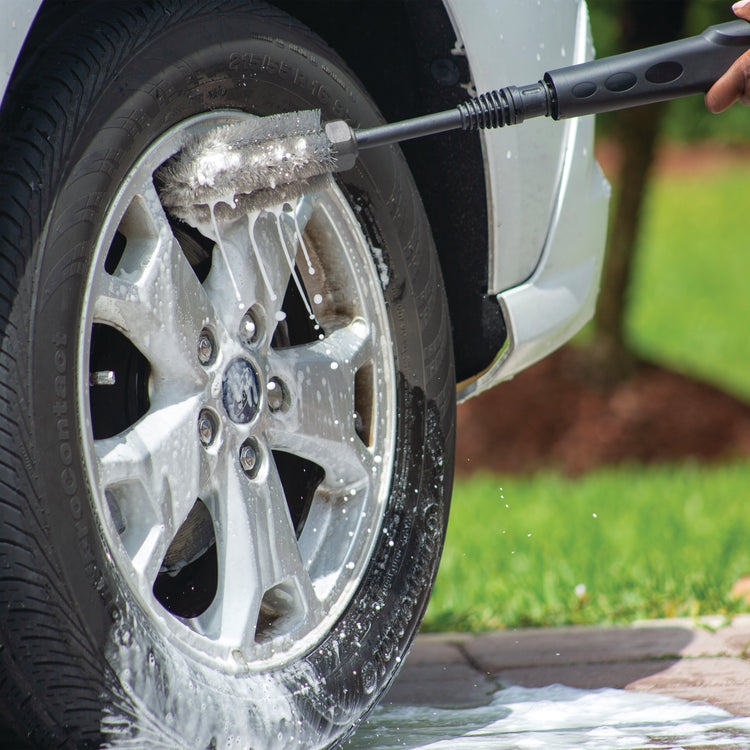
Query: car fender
[(18, 16), (541, 179)]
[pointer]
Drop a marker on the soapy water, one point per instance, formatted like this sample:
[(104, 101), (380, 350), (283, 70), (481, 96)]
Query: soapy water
[(556, 718)]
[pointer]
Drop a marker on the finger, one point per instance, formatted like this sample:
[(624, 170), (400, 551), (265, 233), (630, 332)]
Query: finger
[(733, 85), (730, 87), (742, 9)]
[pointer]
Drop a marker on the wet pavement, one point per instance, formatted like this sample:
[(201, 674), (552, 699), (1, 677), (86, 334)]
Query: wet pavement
[(704, 660), (668, 684)]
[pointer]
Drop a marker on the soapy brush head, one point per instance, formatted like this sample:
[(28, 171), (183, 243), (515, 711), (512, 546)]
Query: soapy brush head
[(244, 166)]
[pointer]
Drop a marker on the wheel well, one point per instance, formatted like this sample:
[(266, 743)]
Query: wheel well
[(405, 53)]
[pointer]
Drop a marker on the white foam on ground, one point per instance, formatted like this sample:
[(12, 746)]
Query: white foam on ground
[(557, 718)]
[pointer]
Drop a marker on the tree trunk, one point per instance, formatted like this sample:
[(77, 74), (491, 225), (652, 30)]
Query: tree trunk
[(637, 131)]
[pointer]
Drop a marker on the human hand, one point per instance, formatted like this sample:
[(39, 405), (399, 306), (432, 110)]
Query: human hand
[(734, 85)]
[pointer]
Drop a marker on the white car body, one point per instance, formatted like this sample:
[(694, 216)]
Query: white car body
[(547, 197), (545, 262)]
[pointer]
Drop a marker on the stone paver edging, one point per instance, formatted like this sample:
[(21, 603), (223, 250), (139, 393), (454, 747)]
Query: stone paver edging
[(704, 659)]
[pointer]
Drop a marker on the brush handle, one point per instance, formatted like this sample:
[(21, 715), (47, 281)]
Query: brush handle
[(655, 74)]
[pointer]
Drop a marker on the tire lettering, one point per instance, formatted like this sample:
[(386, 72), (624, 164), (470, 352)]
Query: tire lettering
[(76, 509), (68, 480), (217, 93), (333, 75), (66, 453), (320, 92), (63, 433), (270, 65), (60, 363)]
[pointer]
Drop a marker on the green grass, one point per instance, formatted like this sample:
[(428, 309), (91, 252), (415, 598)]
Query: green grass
[(656, 542), (645, 542), (690, 298)]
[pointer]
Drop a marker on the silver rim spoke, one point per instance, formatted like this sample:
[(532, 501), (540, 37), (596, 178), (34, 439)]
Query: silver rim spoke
[(138, 468), (320, 423), (233, 615), (252, 267), (157, 301), (257, 553)]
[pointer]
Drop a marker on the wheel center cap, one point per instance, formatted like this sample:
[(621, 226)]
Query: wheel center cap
[(241, 391)]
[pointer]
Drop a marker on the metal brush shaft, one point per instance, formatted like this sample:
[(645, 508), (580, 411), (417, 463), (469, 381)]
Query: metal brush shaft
[(494, 109)]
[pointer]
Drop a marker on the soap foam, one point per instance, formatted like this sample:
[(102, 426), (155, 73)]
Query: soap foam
[(556, 718)]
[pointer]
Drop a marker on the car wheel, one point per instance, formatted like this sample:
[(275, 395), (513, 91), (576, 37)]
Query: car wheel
[(226, 449)]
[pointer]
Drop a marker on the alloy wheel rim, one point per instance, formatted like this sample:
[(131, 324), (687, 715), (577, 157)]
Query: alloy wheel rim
[(261, 373)]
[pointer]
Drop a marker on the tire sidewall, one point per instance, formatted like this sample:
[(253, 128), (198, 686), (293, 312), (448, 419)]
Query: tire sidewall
[(237, 61)]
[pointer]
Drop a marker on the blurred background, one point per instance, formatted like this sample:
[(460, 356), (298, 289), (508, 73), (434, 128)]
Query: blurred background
[(611, 482)]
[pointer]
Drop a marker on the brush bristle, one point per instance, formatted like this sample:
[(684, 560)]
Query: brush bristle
[(245, 165)]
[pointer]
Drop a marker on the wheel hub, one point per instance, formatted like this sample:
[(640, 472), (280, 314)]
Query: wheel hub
[(241, 393)]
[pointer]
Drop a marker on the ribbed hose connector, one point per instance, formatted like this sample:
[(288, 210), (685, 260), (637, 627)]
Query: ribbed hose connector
[(491, 110), (508, 106)]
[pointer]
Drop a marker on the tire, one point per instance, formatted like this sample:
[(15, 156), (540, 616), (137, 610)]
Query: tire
[(224, 483)]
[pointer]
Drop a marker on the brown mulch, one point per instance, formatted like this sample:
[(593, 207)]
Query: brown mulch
[(550, 417)]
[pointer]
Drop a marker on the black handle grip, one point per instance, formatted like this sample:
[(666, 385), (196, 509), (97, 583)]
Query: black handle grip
[(656, 74)]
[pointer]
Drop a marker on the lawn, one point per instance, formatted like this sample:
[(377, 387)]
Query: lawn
[(691, 292), (612, 546), (626, 543)]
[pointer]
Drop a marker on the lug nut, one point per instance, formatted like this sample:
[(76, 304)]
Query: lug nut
[(277, 398), (248, 328), (249, 458), (205, 348), (206, 428)]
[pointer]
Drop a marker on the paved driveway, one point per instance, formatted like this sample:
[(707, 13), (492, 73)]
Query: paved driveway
[(706, 661)]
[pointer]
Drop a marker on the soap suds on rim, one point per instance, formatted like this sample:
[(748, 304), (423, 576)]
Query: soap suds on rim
[(382, 267)]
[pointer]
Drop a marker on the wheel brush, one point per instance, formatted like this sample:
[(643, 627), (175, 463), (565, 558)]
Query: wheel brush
[(257, 162)]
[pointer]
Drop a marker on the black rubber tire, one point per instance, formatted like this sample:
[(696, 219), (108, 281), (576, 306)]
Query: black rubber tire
[(79, 664)]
